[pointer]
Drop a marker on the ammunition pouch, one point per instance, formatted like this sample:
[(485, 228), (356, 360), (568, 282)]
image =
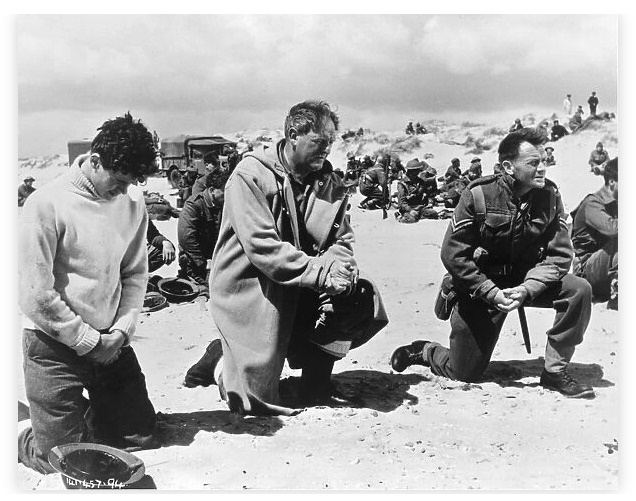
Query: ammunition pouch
[(446, 298)]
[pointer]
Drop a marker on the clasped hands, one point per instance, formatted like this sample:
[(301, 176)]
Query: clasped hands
[(108, 348), (343, 273), (508, 300)]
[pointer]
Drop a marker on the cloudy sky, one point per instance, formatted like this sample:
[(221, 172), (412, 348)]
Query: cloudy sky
[(223, 73)]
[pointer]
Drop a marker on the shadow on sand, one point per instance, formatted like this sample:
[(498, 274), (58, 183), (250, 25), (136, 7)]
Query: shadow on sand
[(367, 389), (508, 373), (179, 428), (375, 390)]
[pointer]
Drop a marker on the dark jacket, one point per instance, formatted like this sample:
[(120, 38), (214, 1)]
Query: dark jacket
[(558, 131), (23, 193), (594, 224), (453, 173), (526, 240), (372, 180), (411, 193), (198, 227), (153, 237)]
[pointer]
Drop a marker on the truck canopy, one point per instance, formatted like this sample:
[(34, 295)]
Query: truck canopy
[(77, 147), (174, 146)]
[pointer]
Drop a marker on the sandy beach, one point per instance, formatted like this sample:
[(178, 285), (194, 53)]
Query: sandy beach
[(411, 431)]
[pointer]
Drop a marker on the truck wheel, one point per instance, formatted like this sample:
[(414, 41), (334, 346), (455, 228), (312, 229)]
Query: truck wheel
[(174, 176)]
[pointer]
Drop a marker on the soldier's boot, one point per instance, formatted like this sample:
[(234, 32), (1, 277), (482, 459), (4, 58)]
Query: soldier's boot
[(202, 373), (411, 354), (565, 384), (316, 386)]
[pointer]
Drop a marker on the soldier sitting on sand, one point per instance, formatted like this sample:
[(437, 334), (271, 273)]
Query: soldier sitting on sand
[(576, 121), (198, 230), (25, 189), (598, 158), (453, 172), (549, 157), (412, 200), (595, 238), (371, 183), (558, 131)]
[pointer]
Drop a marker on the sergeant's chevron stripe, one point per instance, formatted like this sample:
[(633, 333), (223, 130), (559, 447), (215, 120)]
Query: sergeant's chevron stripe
[(563, 224), (458, 225)]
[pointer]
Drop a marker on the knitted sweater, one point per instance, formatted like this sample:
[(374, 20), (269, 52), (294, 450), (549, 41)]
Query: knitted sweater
[(82, 265)]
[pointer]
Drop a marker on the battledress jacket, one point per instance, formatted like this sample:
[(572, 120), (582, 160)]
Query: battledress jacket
[(594, 225), (198, 228), (258, 270), (526, 240)]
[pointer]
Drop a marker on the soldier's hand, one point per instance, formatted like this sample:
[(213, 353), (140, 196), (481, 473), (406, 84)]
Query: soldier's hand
[(335, 285), (518, 294), (510, 299), (503, 303), (169, 252)]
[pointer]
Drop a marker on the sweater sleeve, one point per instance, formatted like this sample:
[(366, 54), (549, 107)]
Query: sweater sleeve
[(134, 279), (38, 299)]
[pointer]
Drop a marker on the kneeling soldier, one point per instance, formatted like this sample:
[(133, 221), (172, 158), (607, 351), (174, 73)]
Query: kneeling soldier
[(507, 246)]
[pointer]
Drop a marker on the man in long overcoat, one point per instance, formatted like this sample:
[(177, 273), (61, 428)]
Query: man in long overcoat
[(284, 281)]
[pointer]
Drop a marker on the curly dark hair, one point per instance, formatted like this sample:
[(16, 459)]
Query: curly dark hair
[(216, 178), (125, 145), (310, 115), (509, 146)]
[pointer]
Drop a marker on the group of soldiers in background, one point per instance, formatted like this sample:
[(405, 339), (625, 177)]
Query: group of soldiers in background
[(418, 129), (420, 193)]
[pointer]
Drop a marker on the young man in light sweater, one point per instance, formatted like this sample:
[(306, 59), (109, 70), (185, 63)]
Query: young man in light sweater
[(82, 278)]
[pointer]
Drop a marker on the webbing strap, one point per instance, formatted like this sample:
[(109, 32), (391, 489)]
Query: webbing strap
[(480, 202)]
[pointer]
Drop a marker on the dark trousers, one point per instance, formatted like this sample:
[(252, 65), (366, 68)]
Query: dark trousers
[(118, 411), (322, 320), (416, 212), (155, 258), (475, 328), (200, 275), (599, 270)]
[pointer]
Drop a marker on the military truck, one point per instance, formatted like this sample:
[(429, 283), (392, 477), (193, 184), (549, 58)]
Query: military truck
[(188, 152), (77, 147)]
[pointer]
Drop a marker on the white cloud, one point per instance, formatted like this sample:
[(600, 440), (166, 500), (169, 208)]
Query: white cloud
[(232, 72), (497, 44)]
